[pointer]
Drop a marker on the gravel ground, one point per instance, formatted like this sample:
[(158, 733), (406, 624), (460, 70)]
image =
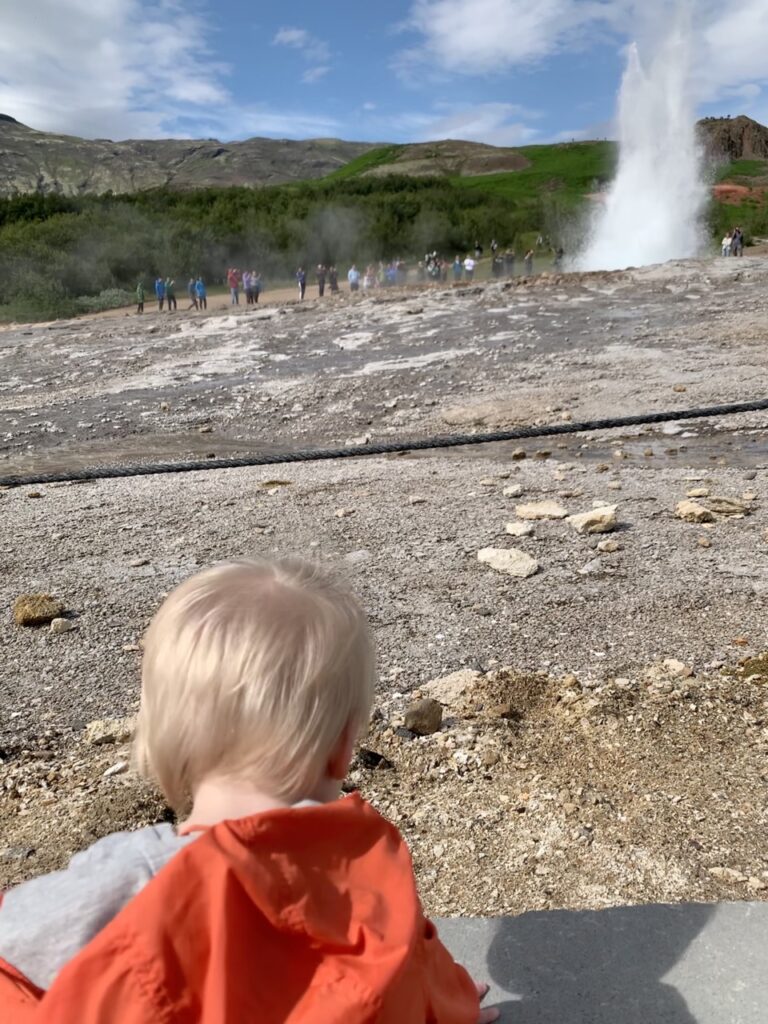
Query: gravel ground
[(578, 770)]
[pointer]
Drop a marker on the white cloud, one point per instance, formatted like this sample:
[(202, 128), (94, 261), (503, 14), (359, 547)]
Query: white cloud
[(315, 74), (493, 35), (115, 68), (481, 37), (315, 51), (498, 124)]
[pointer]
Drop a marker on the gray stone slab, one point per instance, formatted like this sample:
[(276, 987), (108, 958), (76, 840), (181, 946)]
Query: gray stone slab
[(655, 964)]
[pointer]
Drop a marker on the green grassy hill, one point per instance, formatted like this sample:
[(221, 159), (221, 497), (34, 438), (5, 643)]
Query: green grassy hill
[(571, 170)]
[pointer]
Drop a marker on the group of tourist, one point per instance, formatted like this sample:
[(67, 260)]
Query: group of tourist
[(733, 243), (323, 275), (165, 294), (249, 281), (375, 275)]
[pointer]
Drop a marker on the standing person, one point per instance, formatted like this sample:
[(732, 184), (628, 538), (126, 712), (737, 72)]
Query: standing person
[(140, 297), (247, 288), (528, 260), (233, 283), (200, 292), (256, 286), (557, 262), (497, 265), (333, 279), (301, 281), (170, 294), (509, 262), (457, 269), (494, 246), (726, 243), (321, 272), (160, 293), (478, 250), (354, 278), (469, 268), (191, 295), (738, 242)]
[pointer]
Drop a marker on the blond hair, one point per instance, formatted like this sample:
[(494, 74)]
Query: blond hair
[(252, 670)]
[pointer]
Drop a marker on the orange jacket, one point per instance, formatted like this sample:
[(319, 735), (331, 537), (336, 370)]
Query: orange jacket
[(301, 916)]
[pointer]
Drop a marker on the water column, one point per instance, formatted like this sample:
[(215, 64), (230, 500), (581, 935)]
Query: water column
[(653, 210)]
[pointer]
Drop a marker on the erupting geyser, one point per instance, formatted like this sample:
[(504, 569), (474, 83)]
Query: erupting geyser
[(653, 210)]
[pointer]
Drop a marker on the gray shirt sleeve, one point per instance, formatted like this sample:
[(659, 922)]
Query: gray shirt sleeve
[(48, 920)]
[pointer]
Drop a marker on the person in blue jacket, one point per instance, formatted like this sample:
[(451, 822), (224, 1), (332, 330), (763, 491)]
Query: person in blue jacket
[(160, 292), (200, 292)]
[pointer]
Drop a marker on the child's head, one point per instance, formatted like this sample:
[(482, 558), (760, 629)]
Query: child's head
[(253, 671)]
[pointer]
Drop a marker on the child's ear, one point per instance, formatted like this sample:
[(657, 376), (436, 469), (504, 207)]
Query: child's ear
[(341, 755)]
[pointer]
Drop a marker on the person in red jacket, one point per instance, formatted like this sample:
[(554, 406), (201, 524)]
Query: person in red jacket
[(275, 901)]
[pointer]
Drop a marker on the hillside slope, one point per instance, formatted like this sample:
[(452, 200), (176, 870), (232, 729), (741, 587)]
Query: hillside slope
[(734, 138), (32, 161)]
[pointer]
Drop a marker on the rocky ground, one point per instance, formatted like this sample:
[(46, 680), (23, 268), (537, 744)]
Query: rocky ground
[(606, 741)]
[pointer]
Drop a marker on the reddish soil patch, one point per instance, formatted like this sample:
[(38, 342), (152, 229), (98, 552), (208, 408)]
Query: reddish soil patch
[(732, 194)]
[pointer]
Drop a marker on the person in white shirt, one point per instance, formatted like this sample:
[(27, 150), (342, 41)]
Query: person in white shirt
[(469, 268), (727, 244)]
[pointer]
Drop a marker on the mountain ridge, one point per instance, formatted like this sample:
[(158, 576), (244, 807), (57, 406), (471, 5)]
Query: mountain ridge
[(35, 162)]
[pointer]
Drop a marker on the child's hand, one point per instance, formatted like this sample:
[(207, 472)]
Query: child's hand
[(490, 1014)]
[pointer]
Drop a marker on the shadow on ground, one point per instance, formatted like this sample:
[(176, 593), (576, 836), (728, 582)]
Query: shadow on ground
[(685, 964)]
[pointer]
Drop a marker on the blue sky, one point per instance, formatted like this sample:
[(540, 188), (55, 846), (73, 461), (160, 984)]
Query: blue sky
[(507, 72)]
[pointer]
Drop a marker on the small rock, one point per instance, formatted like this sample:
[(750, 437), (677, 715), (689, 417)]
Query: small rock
[(756, 884), (698, 492), (511, 561), (59, 626), (680, 388), (727, 506), (541, 510), (424, 717), (505, 711), (34, 494), (729, 874), (416, 499), (749, 496), (110, 730), (693, 512), (344, 513), (357, 557), (205, 429), (137, 563), (597, 520), (519, 529), (518, 454), (677, 669), (704, 542), (36, 609), (451, 689), (614, 485), (12, 853), (513, 491), (481, 609), (608, 547), (165, 407), (117, 769), (595, 565), (489, 758)]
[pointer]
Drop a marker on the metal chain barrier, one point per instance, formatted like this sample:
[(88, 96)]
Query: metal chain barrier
[(381, 448)]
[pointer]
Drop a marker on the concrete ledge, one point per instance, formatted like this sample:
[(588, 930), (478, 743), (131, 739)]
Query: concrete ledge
[(655, 964)]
